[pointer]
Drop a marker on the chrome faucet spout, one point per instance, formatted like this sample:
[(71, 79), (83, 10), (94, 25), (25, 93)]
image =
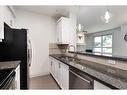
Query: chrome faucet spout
[(75, 53)]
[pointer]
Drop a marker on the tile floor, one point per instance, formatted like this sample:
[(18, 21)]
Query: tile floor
[(43, 82)]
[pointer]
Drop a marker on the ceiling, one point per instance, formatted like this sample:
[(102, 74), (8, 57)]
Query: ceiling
[(55, 11), (89, 16)]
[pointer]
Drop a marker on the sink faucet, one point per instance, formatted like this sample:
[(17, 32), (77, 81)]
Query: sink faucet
[(75, 53)]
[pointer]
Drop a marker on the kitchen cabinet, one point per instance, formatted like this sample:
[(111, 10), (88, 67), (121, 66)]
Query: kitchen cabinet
[(17, 78), (100, 86), (56, 71), (52, 67), (62, 30), (64, 76), (60, 72)]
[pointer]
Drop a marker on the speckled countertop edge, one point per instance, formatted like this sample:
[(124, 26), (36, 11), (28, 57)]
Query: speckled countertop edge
[(9, 64)]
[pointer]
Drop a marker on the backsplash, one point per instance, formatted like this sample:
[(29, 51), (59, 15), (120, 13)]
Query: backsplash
[(57, 49)]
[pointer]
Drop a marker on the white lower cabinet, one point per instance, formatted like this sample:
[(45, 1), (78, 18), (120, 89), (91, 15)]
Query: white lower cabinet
[(17, 78), (56, 73), (100, 86), (64, 76), (52, 67), (60, 72)]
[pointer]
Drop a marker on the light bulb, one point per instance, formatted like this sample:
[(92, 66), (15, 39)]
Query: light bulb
[(107, 16)]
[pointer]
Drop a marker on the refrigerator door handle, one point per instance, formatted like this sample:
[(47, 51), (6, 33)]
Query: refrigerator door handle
[(30, 53)]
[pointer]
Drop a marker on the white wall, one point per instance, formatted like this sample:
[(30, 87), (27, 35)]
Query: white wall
[(42, 31), (5, 16), (8, 16), (120, 47)]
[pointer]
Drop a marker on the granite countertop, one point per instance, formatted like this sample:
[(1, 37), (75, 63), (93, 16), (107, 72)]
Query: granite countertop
[(9, 64), (109, 75)]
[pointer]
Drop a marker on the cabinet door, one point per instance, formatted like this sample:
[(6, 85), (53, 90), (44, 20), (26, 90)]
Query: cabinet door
[(53, 68), (65, 30), (17, 78), (56, 70), (59, 74), (1, 23), (64, 80)]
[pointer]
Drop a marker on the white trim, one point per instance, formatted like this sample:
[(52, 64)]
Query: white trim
[(12, 11), (37, 75)]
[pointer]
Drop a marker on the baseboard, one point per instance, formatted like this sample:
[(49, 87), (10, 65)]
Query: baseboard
[(42, 74)]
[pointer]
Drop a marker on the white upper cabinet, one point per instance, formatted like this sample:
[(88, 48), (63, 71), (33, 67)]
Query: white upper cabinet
[(7, 15), (62, 29)]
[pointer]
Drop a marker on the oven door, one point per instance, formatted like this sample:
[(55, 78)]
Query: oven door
[(10, 82)]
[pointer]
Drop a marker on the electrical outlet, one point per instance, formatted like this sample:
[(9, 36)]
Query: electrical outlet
[(111, 62)]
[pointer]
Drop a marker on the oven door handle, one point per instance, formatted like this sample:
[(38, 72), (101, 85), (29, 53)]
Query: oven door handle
[(80, 77)]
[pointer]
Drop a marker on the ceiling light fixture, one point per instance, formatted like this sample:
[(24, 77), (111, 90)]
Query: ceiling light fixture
[(107, 16)]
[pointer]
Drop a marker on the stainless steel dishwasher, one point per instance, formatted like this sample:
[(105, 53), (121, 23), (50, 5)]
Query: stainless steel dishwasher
[(79, 80)]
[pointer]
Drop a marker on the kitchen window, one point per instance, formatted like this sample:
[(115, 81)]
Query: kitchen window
[(103, 45)]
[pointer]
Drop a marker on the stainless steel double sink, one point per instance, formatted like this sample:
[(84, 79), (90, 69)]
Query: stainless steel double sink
[(73, 61)]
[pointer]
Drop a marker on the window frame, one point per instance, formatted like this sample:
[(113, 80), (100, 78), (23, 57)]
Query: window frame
[(102, 47)]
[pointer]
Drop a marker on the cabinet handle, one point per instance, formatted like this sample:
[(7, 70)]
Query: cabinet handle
[(59, 65), (51, 63)]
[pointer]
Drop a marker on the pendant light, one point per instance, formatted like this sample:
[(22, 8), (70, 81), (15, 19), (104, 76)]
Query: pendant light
[(79, 26)]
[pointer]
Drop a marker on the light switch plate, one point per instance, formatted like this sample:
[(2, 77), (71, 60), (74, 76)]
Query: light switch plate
[(111, 62)]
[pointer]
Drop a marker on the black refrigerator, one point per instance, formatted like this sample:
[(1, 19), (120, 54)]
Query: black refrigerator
[(15, 46)]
